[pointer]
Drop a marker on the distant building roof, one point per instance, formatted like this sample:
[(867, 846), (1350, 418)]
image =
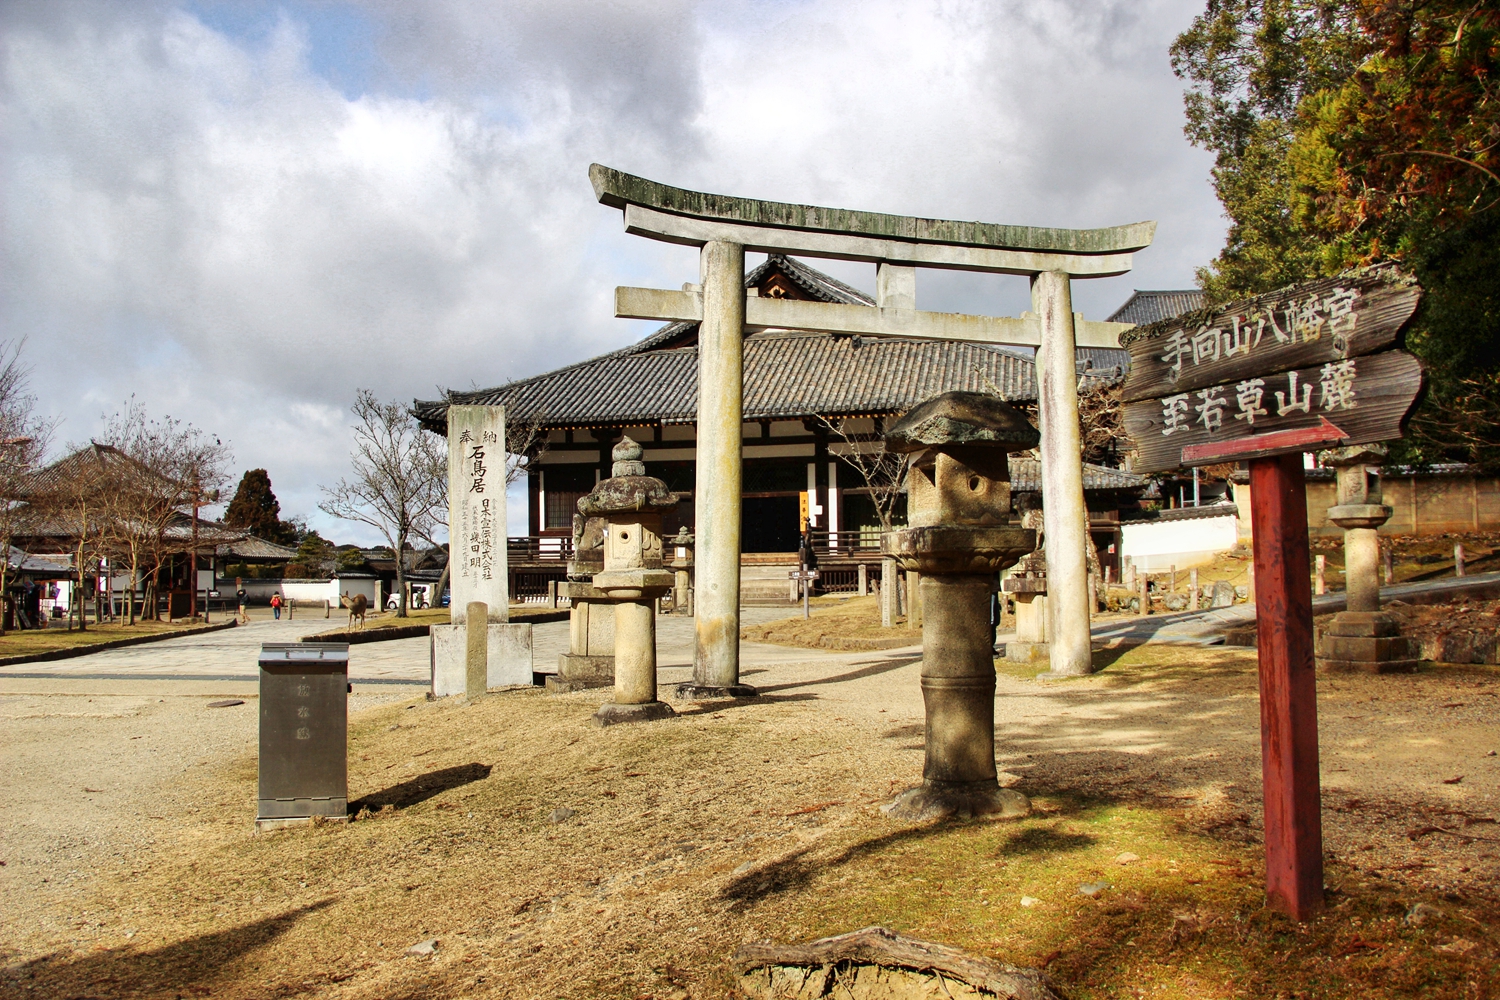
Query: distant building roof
[(787, 374), (1150, 306), (23, 562), (251, 547), (1026, 476)]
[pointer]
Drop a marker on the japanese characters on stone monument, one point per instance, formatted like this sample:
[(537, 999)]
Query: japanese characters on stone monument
[(476, 511)]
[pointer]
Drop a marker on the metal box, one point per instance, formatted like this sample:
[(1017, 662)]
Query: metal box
[(304, 729)]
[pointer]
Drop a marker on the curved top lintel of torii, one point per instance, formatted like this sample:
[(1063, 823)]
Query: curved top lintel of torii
[(621, 190)]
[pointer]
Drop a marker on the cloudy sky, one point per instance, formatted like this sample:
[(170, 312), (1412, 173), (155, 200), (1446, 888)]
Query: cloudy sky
[(241, 212)]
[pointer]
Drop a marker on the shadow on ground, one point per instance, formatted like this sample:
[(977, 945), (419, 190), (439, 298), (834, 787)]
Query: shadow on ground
[(873, 670), (186, 967), (421, 788)]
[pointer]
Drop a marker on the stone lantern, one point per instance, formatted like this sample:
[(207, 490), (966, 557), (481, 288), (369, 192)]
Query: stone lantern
[(682, 565), (1028, 585), (1362, 637), (631, 504), (959, 538)]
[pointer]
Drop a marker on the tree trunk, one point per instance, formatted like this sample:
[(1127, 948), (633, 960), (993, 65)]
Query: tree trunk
[(401, 577), (437, 593), (82, 622), (135, 575)]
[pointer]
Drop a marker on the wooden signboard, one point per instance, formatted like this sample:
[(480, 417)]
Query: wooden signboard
[(1349, 401), (1309, 367), (1292, 371)]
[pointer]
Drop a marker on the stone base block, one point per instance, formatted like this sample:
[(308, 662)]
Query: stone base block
[(586, 671), (1365, 642), (611, 714), (691, 691), (1327, 666), (1366, 648), (1363, 624), (509, 657), (939, 799), (1027, 652)]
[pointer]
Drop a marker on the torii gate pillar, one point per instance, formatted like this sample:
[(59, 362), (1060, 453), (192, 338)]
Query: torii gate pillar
[(717, 490), (1063, 511)]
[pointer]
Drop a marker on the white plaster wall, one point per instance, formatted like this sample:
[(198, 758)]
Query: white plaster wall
[(1158, 545)]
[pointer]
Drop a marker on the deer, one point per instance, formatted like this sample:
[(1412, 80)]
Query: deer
[(357, 605)]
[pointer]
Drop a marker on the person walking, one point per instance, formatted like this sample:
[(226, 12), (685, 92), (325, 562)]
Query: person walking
[(276, 606), (243, 599)]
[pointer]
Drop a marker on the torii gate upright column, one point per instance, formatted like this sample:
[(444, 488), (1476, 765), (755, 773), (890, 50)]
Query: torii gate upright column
[(717, 489), (1063, 511)]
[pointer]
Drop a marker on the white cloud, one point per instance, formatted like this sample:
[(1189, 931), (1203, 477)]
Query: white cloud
[(206, 217)]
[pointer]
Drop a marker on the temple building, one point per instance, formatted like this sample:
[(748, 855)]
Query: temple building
[(809, 398)]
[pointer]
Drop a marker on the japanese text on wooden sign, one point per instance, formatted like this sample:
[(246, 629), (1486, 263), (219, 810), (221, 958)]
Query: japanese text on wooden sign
[(1291, 371)]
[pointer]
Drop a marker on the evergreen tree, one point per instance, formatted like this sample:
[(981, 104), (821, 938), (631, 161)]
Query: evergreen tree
[(256, 508), (1348, 132)]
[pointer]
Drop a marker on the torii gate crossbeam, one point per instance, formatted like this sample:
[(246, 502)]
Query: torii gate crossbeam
[(725, 227)]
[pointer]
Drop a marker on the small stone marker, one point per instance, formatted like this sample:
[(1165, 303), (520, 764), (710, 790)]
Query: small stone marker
[(428, 947), (1092, 889), (1223, 595), (226, 703)]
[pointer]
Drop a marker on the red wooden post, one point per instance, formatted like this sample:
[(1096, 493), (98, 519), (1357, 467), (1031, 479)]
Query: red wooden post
[(1288, 688)]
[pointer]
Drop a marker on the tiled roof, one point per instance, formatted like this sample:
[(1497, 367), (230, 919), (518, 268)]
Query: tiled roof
[(1026, 476), (787, 375), (1151, 306), (251, 547), (88, 464)]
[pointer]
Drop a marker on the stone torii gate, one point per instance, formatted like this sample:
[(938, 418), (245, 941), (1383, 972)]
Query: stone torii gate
[(725, 227)]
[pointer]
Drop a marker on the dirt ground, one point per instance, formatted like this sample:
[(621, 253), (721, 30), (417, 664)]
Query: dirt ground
[(550, 859)]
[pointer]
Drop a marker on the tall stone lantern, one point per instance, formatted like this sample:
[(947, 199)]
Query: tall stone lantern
[(632, 503), (959, 538), (1362, 637)]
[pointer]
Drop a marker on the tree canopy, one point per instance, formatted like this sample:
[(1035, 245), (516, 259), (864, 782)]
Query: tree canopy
[(1348, 132), (256, 509)]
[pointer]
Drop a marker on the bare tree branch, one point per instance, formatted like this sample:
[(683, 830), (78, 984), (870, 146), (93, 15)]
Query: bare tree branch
[(399, 486), (884, 472), (24, 436)]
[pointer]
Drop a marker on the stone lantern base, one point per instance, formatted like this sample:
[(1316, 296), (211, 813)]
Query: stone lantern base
[(1365, 642)]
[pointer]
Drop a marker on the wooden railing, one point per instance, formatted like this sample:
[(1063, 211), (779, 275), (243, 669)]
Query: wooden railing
[(539, 548)]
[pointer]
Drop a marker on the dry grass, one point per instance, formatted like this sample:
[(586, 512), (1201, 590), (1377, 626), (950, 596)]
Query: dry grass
[(31, 641), (835, 623), (759, 820)]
